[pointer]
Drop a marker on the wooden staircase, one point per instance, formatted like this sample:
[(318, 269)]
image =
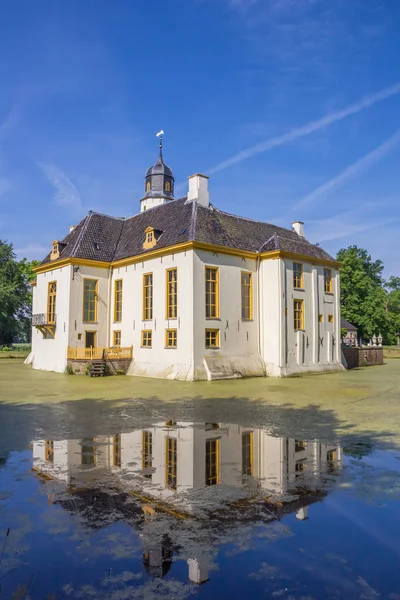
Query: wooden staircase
[(98, 367)]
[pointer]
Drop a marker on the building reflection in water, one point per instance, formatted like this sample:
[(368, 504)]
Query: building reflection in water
[(221, 474)]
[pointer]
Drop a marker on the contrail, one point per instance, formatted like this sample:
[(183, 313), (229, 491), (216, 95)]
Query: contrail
[(353, 170), (307, 129)]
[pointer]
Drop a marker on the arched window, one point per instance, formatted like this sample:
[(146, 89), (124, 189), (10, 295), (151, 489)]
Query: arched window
[(148, 186), (167, 186)]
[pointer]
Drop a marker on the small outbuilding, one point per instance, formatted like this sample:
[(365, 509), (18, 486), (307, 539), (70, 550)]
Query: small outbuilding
[(350, 339)]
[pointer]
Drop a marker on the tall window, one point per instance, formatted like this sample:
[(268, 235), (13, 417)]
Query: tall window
[(117, 338), (171, 463), (49, 451), (172, 293), (147, 338), (247, 453), (168, 186), (51, 302), (147, 453), (246, 296), (212, 338), (171, 338), (90, 300), (212, 295), (297, 275), (212, 462), (148, 186), (298, 314), (148, 296), (88, 451), (118, 300), (328, 280), (117, 450)]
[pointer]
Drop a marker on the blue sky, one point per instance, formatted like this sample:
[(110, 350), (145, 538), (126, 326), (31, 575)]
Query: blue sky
[(291, 106)]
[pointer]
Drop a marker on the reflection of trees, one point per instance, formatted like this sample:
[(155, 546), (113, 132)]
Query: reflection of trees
[(358, 449)]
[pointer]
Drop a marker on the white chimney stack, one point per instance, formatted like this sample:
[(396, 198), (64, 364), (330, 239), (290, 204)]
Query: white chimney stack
[(198, 189), (298, 227)]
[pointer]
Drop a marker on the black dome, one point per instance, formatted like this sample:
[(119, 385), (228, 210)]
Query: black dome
[(159, 168), (159, 180)]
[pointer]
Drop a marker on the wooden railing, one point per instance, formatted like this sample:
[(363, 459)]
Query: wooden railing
[(97, 353)]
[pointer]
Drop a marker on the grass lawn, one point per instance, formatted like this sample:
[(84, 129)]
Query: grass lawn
[(14, 354)]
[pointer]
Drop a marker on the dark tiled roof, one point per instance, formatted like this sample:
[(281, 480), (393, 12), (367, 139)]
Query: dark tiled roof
[(104, 238), (346, 325)]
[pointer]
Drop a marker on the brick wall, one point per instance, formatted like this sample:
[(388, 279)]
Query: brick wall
[(362, 357)]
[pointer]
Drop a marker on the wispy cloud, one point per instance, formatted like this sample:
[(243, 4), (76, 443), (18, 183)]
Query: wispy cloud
[(354, 170), (32, 251), (67, 194), (307, 129), (345, 224)]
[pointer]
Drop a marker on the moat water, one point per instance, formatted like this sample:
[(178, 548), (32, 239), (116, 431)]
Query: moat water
[(136, 489)]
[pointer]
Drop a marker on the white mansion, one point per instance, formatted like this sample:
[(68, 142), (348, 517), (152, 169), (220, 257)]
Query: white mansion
[(186, 291)]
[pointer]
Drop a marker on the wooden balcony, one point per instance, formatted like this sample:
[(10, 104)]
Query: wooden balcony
[(97, 353), (45, 322)]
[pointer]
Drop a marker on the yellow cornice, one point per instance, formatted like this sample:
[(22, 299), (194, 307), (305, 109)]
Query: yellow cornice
[(224, 250), (303, 257), (33, 283), (58, 264), (130, 260)]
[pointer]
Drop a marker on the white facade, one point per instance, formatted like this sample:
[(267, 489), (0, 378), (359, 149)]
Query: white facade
[(267, 343)]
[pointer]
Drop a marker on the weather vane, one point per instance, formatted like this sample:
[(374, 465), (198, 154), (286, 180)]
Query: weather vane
[(160, 135)]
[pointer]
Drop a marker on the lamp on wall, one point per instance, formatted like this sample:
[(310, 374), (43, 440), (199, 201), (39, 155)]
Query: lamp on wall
[(75, 269)]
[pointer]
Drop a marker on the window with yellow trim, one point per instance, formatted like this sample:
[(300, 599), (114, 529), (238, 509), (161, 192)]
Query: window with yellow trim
[(149, 236), (328, 281), (118, 300), (172, 293), (90, 300), (167, 186), (51, 302), (212, 293), (298, 308), (171, 338), (247, 453), (212, 462), (320, 318), (88, 451), (298, 275), (247, 294), (148, 186), (147, 296), (49, 450), (117, 450), (171, 463), (116, 338), (212, 338), (147, 453), (330, 318), (147, 338)]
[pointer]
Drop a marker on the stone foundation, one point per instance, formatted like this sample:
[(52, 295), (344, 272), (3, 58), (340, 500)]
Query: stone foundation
[(117, 366), (362, 357)]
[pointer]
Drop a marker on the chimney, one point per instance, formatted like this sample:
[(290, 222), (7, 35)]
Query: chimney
[(298, 227), (302, 514), (198, 189), (71, 228)]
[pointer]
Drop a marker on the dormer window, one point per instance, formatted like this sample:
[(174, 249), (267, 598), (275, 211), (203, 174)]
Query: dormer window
[(55, 250), (148, 186), (151, 236), (168, 186)]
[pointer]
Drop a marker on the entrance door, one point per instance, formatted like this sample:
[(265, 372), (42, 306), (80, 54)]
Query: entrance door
[(90, 339)]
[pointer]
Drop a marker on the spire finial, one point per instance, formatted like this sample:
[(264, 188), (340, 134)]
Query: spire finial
[(160, 135)]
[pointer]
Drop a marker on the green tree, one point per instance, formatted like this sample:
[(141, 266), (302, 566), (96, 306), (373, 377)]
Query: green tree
[(26, 268), (12, 293), (363, 295), (393, 306)]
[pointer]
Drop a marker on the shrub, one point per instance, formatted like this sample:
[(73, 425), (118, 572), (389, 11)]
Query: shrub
[(69, 370), (87, 368)]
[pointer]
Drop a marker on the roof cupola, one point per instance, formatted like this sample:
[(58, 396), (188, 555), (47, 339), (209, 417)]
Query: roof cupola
[(159, 181)]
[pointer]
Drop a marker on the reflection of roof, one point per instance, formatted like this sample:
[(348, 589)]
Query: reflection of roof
[(103, 238), (346, 325)]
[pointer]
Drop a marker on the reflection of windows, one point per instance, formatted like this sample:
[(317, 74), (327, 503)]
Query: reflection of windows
[(147, 453), (299, 445), (172, 293), (328, 280), (147, 338), (300, 466), (117, 450), (212, 295), (171, 463), (246, 296), (49, 450), (331, 455), (51, 302), (211, 426), (212, 462), (118, 300), (330, 318), (88, 451), (90, 300), (298, 275), (320, 319), (247, 453), (212, 338), (148, 297), (170, 423)]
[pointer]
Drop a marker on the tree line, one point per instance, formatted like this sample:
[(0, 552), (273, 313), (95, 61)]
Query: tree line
[(368, 301)]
